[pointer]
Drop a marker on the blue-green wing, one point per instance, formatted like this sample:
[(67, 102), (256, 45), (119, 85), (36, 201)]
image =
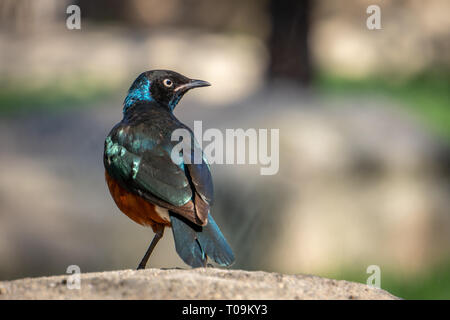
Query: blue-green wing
[(143, 165), (139, 160)]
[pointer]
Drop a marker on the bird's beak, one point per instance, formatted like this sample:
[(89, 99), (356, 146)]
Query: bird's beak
[(193, 83)]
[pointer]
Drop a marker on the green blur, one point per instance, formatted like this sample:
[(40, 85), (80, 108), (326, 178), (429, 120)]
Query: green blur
[(427, 95), (22, 97), (433, 283)]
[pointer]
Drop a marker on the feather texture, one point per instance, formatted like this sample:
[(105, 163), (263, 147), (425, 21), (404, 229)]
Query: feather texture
[(194, 244)]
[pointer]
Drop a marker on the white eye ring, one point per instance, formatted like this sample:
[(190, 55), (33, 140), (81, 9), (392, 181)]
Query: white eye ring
[(168, 83)]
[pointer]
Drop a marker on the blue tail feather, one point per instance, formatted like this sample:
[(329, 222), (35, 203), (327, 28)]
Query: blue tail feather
[(195, 243)]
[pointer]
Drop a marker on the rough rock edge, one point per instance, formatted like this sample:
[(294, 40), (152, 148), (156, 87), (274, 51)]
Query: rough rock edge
[(199, 283)]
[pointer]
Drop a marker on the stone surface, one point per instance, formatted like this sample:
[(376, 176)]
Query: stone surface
[(189, 284)]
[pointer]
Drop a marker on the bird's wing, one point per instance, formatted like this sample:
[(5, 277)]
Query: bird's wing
[(141, 163), (199, 175)]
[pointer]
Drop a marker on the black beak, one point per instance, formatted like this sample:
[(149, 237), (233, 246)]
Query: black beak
[(193, 83)]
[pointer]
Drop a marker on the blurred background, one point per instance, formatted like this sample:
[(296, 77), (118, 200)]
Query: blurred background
[(364, 119)]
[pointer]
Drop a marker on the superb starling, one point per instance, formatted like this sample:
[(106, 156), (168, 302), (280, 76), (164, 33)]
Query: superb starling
[(151, 188)]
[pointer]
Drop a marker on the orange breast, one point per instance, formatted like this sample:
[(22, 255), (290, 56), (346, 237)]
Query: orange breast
[(135, 207)]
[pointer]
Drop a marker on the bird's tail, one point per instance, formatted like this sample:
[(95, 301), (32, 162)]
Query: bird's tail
[(195, 243)]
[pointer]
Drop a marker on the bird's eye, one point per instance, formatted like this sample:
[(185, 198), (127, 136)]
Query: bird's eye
[(168, 83)]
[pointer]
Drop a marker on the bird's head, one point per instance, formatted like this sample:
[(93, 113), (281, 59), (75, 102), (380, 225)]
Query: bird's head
[(163, 86)]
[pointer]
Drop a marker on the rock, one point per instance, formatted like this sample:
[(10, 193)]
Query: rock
[(208, 283)]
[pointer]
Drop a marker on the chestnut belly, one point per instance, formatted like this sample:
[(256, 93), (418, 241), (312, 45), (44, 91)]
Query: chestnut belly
[(136, 208)]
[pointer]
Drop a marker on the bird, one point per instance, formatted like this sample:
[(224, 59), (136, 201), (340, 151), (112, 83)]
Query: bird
[(152, 189)]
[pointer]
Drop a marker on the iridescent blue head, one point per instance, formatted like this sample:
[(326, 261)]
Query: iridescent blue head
[(163, 86)]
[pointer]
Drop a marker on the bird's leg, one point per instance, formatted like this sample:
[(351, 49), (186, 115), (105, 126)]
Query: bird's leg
[(158, 235)]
